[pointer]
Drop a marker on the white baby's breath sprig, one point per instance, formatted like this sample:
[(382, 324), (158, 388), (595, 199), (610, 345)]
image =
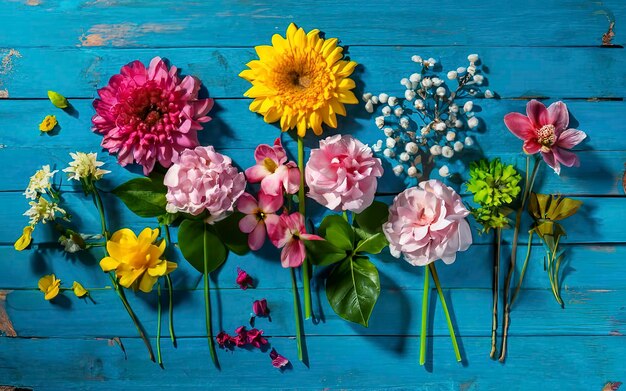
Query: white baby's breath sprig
[(40, 183)]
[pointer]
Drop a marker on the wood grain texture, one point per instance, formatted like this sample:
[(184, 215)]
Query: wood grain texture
[(532, 49)]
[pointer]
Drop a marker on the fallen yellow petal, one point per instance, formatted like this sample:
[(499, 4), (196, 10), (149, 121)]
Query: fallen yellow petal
[(49, 285), (25, 239), (48, 123), (79, 290)]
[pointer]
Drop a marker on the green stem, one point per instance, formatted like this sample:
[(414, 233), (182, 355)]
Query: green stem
[(170, 291), (296, 312), (495, 284), (158, 334), (523, 272), (424, 316), (306, 278), (120, 292), (455, 345), (345, 215), (555, 273), (509, 276), (207, 305)]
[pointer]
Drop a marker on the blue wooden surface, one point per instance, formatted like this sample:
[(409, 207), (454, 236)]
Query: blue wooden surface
[(548, 49)]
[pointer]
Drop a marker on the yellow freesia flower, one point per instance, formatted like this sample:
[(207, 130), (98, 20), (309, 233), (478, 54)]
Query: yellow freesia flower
[(48, 123), (301, 80), (49, 285), (79, 290), (25, 239), (136, 260)]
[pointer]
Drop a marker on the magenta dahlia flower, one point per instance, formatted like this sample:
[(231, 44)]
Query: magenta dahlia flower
[(427, 223), (149, 114), (546, 130)]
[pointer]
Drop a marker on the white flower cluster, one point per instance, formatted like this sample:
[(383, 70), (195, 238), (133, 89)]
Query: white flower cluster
[(429, 121), (43, 211), (85, 167), (40, 183), (39, 187)]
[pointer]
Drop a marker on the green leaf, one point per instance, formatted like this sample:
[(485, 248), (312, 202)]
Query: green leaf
[(167, 219), (228, 230), (352, 289), (374, 244), (338, 232), (371, 220), (323, 253), (143, 196), (57, 99), (196, 236)]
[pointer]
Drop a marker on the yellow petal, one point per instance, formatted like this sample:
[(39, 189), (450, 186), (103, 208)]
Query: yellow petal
[(23, 241), (79, 290), (265, 52), (52, 292), (107, 264), (45, 282), (158, 270), (171, 266), (347, 84), (147, 282), (347, 97)]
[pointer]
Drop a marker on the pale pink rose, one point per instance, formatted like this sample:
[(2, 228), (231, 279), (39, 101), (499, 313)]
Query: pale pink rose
[(149, 115), (342, 174), (288, 234), (273, 170), (427, 223), (546, 130), (257, 213), (203, 180)]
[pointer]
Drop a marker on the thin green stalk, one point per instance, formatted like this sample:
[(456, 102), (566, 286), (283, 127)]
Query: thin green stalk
[(158, 335), (118, 289), (306, 278), (170, 291), (207, 305), (424, 317), (555, 273), (495, 287), (345, 216), (507, 282), (523, 273), (296, 312), (455, 345)]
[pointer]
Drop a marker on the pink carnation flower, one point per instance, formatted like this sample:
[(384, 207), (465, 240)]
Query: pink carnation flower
[(342, 174), (149, 115), (201, 179), (546, 131), (273, 170), (288, 234), (257, 213), (427, 223)]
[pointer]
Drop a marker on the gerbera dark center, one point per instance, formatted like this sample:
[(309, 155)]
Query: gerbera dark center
[(299, 80)]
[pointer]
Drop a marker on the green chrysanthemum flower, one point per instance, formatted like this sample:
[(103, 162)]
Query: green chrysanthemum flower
[(493, 183), (491, 218)]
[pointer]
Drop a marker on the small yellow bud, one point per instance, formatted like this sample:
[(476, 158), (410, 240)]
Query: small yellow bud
[(57, 99), (79, 290), (48, 123)]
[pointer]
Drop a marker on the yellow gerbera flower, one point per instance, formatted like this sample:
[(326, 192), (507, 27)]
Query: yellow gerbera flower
[(48, 123), (300, 80), (136, 260), (23, 241), (49, 285)]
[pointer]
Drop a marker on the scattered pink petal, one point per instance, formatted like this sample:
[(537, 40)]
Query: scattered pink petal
[(255, 338), (223, 339), (260, 308), (278, 361), (243, 279)]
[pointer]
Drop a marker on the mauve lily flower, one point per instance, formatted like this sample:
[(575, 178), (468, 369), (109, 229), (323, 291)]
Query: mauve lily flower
[(278, 361), (273, 170), (546, 130), (243, 279), (257, 213), (288, 235)]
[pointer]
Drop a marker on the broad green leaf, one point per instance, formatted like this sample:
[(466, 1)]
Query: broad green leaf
[(228, 230), (352, 289), (338, 232), (167, 219), (371, 220), (143, 196), (323, 253), (57, 99), (195, 238), (374, 244)]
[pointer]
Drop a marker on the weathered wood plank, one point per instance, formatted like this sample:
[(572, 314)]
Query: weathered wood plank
[(170, 24), (588, 267), (350, 363), (512, 70), (398, 312)]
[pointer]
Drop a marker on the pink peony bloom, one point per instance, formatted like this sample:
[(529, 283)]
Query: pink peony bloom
[(273, 170), (149, 115), (203, 180), (427, 223), (278, 361), (259, 307), (255, 338), (288, 234), (257, 214), (243, 279), (546, 131), (342, 174)]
